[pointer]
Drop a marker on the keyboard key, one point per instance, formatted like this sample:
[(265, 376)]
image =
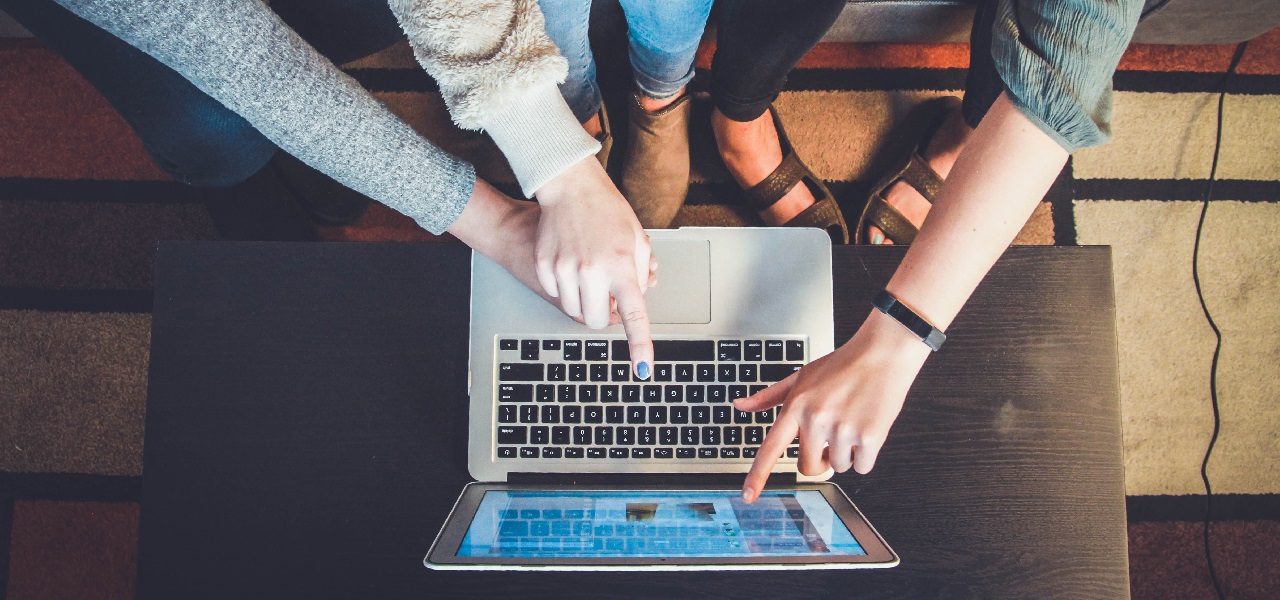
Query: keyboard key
[(695, 393), (581, 436), (515, 392), (528, 452), (701, 415), (689, 436), (560, 435), (668, 435), (506, 451), (595, 452), (635, 414), (748, 453), (756, 389), (621, 351), (663, 372), (657, 415), (528, 349), (684, 372), (706, 372), (604, 436), (753, 350), (588, 393), (716, 393), (550, 344), (710, 436), (573, 453), (773, 350), (772, 373), (596, 350), (677, 350), (729, 350), (551, 452), (755, 435), (748, 372), (737, 391), (706, 452), (625, 436), (556, 371), (721, 415), (618, 453), (741, 417), (679, 414), (795, 350), (609, 393), (539, 435), (508, 345), (732, 436), (506, 413), (727, 373), (647, 436), (546, 393), (662, 453), (550, 414), (686, 452), (578, 372), (765, 416), (592, 414), (529, 414), (639, 453), (620, 372), (793, 452), (630, 393), (520, 372), (613, 414), (673, 393), (571, 414), (728, 453), (600, 372), (566, 393), (572, 350), (653, 393)]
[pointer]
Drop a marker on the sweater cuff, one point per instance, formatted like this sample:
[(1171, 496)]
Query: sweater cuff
[(539, 136)]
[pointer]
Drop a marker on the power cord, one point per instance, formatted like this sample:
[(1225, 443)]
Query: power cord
[(1217, 334)]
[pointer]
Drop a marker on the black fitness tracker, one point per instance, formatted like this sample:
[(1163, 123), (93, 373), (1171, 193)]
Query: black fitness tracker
[(887, 304)]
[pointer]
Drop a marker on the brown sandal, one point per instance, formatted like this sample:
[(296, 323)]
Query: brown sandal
[(824, 214), (911, 169)]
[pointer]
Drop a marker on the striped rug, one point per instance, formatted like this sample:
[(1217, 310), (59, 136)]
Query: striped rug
[(81, 207)]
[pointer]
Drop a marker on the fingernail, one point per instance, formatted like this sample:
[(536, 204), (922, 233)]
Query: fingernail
[(877, 238), (748, 494), (642, 370)]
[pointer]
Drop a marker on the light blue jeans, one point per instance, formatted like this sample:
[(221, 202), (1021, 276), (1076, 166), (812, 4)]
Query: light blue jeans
[(663, 37)]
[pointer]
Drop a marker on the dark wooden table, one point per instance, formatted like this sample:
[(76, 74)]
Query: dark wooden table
[(307, 420)]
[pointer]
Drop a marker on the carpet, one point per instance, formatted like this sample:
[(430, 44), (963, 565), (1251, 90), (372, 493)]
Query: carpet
[(81, 207)]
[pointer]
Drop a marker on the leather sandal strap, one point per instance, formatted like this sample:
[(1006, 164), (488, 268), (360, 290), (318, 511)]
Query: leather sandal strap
[(824, 214), (919, 175), (764, 194), (895, 226)]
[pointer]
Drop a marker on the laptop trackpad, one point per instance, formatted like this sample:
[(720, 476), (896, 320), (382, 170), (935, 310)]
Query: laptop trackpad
[(683, 293)]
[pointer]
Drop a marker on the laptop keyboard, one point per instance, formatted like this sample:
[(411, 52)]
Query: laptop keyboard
[(576, 398)]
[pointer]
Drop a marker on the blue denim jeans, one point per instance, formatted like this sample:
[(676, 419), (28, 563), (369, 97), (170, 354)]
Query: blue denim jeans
[(662, 37)]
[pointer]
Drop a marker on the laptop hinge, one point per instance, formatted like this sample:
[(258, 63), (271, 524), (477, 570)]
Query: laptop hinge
[(732, 480)]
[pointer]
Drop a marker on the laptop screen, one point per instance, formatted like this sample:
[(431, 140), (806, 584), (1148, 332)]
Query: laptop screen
[(642, 523)]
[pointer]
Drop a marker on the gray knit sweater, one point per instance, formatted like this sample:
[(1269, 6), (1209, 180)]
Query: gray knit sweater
[(495, 65)]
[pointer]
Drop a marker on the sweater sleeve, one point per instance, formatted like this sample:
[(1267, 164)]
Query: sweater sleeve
[(1056, 59), (244, 56), (498, 72)]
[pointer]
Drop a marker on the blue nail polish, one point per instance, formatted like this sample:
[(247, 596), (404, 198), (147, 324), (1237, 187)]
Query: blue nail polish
[(642, 370)]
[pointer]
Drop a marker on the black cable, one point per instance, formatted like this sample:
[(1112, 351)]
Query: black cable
[(1217, 334)]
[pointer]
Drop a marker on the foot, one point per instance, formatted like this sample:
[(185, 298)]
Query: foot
[(751, 151), (941, 153)]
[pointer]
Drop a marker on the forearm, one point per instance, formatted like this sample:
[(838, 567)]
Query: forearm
[(996, 183)]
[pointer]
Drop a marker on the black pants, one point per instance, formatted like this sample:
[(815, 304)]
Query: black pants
[(758, 42)]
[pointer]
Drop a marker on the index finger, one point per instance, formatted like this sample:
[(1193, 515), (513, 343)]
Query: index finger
[(767, 456), (635, 321)]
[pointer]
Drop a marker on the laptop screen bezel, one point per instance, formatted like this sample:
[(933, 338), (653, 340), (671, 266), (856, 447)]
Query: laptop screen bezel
[(443, 552)]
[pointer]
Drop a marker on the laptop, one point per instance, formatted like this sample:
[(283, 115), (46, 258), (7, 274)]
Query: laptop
[(580, 466)]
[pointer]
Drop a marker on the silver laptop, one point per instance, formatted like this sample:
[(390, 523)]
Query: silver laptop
[(582, 466)]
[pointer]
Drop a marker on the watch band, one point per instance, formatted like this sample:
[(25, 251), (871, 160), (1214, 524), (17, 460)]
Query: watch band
[(887, 304)]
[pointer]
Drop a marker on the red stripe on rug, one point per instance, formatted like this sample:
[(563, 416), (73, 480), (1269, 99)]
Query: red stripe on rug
[(73, 550), (55, 125)]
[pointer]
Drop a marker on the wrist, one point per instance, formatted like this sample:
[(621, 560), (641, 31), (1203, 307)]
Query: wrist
[(881, 334), (567, 184)]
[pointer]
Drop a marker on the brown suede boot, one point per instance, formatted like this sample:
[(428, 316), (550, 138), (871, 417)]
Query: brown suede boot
[(655, 179)]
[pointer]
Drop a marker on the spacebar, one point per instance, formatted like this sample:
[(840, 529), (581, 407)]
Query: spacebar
[(672, 350)]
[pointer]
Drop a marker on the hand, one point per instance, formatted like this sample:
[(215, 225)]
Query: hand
[(593, 255), (841, 405)]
